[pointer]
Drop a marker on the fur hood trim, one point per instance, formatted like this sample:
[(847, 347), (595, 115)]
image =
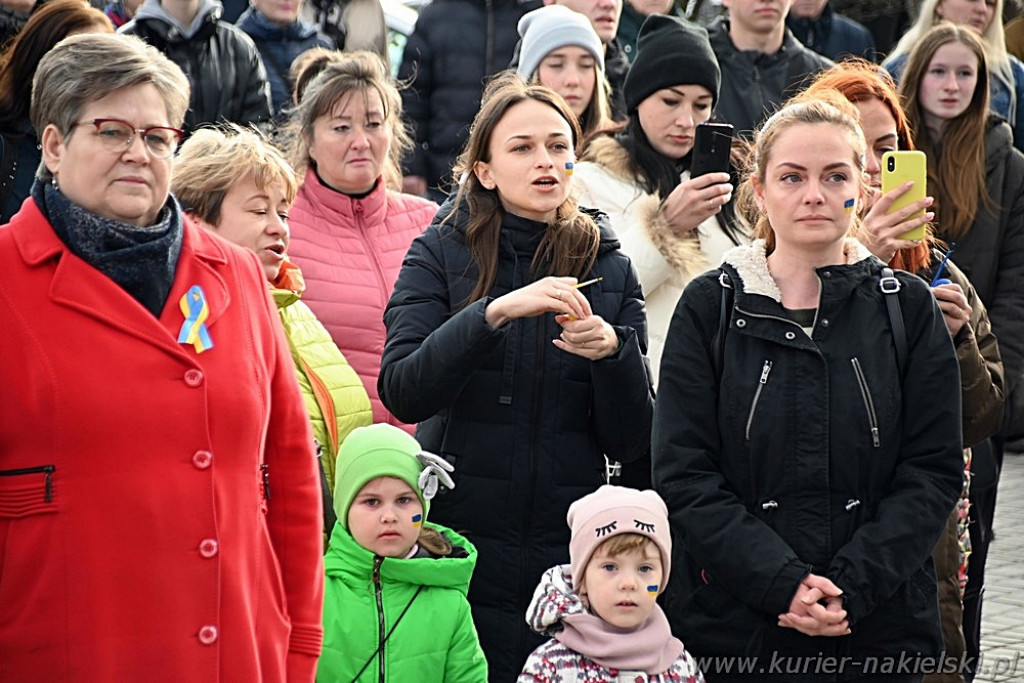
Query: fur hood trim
[(682, 253), (751, 265)]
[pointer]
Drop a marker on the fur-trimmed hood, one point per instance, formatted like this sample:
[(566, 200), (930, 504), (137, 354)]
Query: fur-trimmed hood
[(607, 152), (751, 264)]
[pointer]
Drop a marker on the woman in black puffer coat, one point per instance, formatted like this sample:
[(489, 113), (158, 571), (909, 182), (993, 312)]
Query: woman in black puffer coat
[(521, 379)]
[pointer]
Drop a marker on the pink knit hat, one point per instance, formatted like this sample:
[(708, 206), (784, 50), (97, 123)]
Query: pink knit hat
[(613, 510)]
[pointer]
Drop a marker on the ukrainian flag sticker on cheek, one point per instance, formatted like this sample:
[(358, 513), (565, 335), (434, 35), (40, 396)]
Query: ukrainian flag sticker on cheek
[(568, 168), (417, 520), (653, 590), (849, 204)]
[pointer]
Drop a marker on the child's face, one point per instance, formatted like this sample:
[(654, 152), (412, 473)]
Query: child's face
[(622, 589), (385, 517)]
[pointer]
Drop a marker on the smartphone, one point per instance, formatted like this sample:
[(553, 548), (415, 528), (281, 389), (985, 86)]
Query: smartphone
[(711, 146), (899, 167)]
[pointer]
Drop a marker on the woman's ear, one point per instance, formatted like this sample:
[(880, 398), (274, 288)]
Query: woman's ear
[(482, 171), (755, 183), (52, 144)]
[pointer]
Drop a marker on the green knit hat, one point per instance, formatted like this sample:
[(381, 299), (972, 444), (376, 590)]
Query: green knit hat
[(383, 450)]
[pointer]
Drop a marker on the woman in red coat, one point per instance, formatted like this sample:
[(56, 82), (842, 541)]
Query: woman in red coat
[(159, 503), (350, 227)]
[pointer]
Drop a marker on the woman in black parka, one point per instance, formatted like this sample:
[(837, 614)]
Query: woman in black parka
[(810, 469), (519, 377)]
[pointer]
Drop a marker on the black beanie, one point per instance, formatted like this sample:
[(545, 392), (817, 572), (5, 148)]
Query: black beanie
[(670, 52)]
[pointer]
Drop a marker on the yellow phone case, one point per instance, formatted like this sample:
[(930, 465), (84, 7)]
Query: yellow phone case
[(898, 168)]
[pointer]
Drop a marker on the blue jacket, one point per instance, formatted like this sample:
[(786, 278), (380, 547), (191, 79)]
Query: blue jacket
[(526, 425), (279, 46), (833, 35)]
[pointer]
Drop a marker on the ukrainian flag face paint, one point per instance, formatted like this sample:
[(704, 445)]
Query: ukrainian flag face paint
[(849, 204), (569, 167), (652, 590), (417, 520)]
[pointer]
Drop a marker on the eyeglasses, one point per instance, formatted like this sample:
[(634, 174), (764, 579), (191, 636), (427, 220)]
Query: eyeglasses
[(118, 136)]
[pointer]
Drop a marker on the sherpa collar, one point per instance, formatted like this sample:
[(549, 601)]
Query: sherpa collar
[(751, 264)]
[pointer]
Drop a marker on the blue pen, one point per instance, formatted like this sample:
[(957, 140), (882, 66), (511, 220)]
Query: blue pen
[(942, 265)]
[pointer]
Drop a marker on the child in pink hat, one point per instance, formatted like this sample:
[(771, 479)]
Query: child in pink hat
[(600, 610)]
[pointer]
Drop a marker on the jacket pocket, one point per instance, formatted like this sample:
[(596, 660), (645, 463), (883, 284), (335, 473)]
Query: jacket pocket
[(26, 494), (27, 491), (869, 404), (765, 370)]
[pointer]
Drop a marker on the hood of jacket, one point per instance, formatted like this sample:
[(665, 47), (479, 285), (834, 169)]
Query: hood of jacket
[(170, 28), (525, 234), (354, 564), (259, 27), (750, 263), (998, 142)]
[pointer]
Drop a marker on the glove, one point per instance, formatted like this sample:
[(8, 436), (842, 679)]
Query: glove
[(434, 468)]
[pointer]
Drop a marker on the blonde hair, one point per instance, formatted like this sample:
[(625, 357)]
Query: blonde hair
[(993, 41), (833, 109), (214, 159), (349, 73), (619, 544)]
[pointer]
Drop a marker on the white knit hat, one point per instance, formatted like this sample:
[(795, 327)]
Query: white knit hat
[(549, 28)]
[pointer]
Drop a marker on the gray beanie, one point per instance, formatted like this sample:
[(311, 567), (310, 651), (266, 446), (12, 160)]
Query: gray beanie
[(549, 28), (669, 52)]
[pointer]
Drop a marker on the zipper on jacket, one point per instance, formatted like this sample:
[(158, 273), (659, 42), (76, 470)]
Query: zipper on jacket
[(265, 472), (763, 316), (869, 405), (46, 470), (757, 394), (380, 617)]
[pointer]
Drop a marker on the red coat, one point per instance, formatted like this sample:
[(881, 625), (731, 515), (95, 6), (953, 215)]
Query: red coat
[(350, 252), (149, 551)]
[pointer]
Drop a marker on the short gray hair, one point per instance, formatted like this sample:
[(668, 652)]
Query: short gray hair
[(83, 68)]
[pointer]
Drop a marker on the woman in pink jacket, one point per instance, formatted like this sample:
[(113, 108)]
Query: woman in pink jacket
[(350, 230)]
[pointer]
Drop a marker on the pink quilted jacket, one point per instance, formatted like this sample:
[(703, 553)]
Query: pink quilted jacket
[(350, 252)]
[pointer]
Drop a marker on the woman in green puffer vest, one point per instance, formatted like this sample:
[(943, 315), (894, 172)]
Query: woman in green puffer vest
[(236, 184), (395, 607)]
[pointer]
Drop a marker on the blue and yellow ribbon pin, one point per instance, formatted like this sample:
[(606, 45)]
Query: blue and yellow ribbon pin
[(417, 520), (196, 311)]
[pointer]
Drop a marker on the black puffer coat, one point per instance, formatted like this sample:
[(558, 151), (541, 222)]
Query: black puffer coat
[(525, 424), (229, 82), (809, 455), (455, 47)]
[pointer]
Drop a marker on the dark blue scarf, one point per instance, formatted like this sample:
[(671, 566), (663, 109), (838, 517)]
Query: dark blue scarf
[(142, 260)]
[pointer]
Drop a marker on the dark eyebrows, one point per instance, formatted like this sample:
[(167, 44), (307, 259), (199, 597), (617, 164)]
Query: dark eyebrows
[(798, 167)]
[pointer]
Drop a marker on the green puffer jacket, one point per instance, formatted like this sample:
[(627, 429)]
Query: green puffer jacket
[(329, 384), (434, 641)]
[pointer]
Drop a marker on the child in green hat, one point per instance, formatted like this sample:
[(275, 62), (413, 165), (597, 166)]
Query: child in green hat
[(395, 605)]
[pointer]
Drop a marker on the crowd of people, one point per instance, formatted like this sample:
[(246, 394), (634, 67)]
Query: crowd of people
[(269, 307)]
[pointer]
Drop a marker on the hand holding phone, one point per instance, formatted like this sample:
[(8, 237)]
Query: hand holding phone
[(898, 168), (712, 144)]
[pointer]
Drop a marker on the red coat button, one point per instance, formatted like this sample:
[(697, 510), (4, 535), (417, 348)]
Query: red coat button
[(208, 547), (193, 377), (202, 459), (208, 635)]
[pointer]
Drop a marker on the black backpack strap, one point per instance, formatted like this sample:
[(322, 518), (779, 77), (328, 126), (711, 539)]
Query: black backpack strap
[(890, 287), (725, 308)]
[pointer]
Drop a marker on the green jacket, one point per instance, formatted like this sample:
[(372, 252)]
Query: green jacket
[(365, 594), (328, 382)]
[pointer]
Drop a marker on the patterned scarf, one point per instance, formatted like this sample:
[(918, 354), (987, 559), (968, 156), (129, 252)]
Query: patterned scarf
[(142, 260)]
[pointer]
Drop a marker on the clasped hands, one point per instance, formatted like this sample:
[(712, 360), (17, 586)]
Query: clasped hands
[(584, 334), (817, 609)]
